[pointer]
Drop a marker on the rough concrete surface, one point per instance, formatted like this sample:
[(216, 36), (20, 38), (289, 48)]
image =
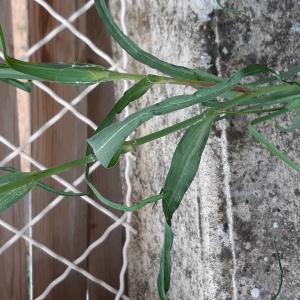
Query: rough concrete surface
[(242, 197)]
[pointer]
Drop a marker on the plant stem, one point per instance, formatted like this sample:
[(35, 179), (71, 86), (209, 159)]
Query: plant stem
[(161, 133), (40, 175), (62, 168), (131, 145), (254, 111), (8, 73)]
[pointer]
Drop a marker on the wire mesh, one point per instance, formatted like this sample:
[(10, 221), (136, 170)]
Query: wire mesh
[(22, 152)]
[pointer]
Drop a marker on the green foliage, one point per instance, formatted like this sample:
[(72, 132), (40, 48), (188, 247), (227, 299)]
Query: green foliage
[(41, 185), (163, 279), (281, 273), (264, 141), (219, 98), (229, 10), (13, 187), (135, 207), (145, 57), (184, 165)]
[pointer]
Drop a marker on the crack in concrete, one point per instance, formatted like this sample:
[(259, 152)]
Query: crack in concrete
[(227, 176)]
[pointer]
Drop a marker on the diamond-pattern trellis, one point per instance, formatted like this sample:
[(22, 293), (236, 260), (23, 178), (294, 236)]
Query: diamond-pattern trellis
[(66, 108)]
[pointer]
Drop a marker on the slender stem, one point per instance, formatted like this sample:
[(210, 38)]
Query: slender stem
[(131, 145), (281, 273), (159, 79), (161, 133), (6, 73), (37, 176), (65, 167), (254, 111)]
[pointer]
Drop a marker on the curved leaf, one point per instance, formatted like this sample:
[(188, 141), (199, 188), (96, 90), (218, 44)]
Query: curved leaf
[(229, 10), (25, 86), (120, 207), (10, 196), (51, 190), (184, 165), (146, 58), (7, 72), (295, 124), (42, 185), (164, 276), (276, 295), (62, 73), (132, 94), (107, 142), (265, 142)]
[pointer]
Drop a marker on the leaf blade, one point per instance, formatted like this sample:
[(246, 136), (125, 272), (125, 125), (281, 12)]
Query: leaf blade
[(135, 207), (268, 145), (146, 58), (164, 276), (10, 196), (184, 165), (107, 142)]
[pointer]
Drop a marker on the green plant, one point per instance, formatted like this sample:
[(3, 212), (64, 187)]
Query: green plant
[(220, 98)]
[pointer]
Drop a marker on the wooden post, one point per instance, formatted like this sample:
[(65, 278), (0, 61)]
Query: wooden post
[(13, 285), (72, 226), (64, 230)]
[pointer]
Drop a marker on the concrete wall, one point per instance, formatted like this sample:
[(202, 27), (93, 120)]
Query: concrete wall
[(242, 197)]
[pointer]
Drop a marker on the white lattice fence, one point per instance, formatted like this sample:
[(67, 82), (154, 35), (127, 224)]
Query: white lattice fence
[(23, 151)]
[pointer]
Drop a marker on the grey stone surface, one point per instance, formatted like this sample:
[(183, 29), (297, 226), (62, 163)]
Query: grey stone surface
[(242, 198), (264, 192)]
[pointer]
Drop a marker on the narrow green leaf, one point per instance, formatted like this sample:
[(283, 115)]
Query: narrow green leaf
[(7, 72), (295, 124), (264, 141), (14, 186), (292, 106), (164, 276), (144, 57), (44, 186), (273, 98), (51, 190), (285, 75), (184, 165), (107, 142), (61, 73), (229, 10), (120, 207), (10, 196), (25, 86), (281, 273), (163, 132), (132, 94), (135, 92), (265, 97)]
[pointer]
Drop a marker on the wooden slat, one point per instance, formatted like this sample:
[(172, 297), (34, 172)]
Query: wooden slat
[(106, 261), (65, 228), (13, 261)]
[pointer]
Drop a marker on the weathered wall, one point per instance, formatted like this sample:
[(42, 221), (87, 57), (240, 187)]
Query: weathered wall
[(242, 198)]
